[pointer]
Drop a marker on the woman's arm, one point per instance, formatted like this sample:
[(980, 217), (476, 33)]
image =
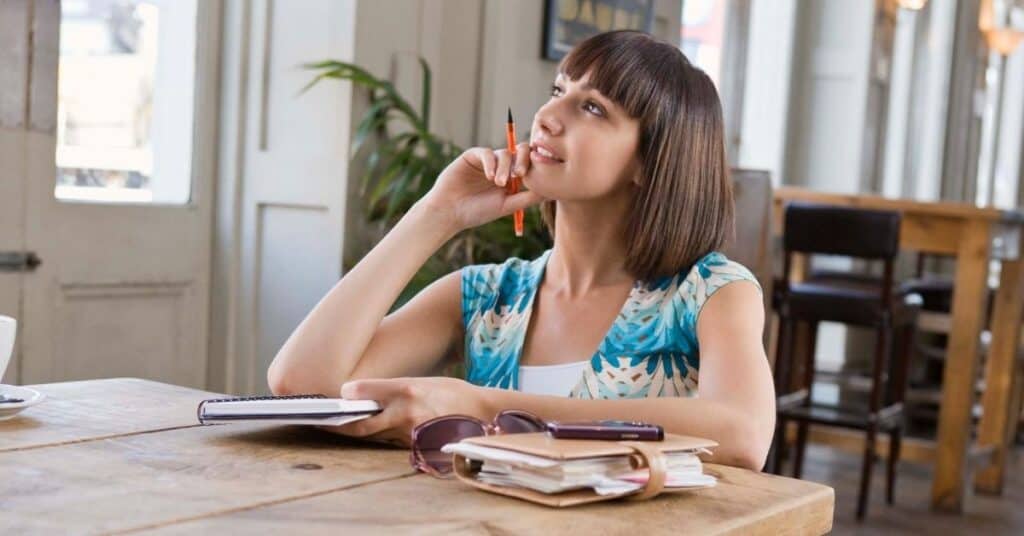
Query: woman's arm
[(735, 405), (347, 336), (326, 348)]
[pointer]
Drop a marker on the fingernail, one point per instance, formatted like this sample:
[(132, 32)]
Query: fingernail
[(520, 171)]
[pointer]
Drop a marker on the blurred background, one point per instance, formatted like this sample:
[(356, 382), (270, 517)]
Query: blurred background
[(182, 180)]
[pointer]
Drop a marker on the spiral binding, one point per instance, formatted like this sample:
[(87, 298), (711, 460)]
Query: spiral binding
[(269, 397)]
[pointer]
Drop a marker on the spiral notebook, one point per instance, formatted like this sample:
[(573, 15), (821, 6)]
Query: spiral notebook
[(291, 409)]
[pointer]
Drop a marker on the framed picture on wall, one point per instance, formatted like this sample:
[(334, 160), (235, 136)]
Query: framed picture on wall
[(567, 22)]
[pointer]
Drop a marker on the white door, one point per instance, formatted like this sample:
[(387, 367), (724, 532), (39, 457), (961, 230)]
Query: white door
[(283, 169), (115, 186), (14, 31)]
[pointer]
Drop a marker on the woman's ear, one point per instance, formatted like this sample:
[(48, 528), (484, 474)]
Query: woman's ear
[(638, 176)]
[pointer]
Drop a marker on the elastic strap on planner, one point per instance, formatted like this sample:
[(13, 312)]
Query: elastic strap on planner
[(654, 460)]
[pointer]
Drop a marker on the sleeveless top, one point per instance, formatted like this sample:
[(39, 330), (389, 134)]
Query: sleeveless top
[(650, 350)]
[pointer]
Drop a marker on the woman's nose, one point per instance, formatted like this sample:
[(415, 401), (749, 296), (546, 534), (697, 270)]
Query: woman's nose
[(548, 121)]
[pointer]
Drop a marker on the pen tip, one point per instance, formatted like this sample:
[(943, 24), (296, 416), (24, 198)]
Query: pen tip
[(509, 114)]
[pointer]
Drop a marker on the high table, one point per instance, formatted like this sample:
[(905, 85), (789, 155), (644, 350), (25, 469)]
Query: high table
[(127, 455), (974, 236)]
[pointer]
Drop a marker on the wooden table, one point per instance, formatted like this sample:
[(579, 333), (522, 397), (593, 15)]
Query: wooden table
[(128, 455), (974, 236)]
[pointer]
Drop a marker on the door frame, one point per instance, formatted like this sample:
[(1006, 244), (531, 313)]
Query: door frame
[(41, 105)]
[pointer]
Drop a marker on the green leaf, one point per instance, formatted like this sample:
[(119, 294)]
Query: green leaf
[(401, 160), (402, 166), (376, 118), (399, 188), (425, 99)]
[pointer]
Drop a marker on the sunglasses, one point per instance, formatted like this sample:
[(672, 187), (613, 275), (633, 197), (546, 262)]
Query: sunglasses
[(430, 436)]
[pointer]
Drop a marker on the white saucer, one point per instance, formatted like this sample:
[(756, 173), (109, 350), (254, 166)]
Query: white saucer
[(31, 397)]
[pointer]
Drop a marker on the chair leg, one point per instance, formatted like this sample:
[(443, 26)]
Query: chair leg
[(783, 357), (865, 476), (780, 447), (782, 373), (808, 383), (801, 448), (898, 390), (895, 438)]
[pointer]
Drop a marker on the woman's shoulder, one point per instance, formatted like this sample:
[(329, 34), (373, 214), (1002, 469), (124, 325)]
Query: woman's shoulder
[(710, 273), (485, 285), (514, 271)]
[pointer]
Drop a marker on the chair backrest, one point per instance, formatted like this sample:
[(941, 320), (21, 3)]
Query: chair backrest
[(751, 247), (847, 231)]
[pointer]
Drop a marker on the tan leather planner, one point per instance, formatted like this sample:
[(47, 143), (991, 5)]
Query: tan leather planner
[(643, 454)]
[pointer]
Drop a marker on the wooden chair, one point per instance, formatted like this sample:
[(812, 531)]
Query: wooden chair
[(857, 233), (752, 195), (751, 245)]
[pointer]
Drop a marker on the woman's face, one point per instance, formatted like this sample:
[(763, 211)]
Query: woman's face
[(593, 140)]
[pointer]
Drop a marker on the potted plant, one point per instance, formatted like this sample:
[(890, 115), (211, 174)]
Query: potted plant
[(401, 165)]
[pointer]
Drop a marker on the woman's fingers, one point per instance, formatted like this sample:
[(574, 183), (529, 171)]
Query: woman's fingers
[(380, 422), (504, 167), (522, 164), (499, 166), (482, 158)]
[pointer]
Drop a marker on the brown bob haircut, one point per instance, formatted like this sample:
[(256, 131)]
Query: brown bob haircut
[(683, 207)]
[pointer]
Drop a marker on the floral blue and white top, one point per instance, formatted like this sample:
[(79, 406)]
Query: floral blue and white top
[(651, 349)]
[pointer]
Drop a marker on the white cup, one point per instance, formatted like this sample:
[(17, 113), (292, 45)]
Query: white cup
[(8, 327)]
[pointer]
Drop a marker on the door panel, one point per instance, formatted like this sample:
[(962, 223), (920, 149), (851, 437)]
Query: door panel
[(123, 288), (290, 172), (14, 67)]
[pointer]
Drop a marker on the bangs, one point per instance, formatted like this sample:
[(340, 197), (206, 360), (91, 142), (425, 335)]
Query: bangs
[(626, 67), (682, 207)]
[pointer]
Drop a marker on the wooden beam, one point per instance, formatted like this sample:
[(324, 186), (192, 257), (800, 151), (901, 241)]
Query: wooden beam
[(1000, 372)]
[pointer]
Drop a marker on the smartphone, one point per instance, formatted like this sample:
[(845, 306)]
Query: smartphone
[(632, 430)]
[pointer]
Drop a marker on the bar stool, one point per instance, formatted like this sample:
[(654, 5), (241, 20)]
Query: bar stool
[(863, 234)]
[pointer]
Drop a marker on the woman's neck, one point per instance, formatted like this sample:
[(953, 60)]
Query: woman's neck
[(590, 248)]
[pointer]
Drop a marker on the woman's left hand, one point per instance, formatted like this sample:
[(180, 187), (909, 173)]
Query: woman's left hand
[(408, 402)]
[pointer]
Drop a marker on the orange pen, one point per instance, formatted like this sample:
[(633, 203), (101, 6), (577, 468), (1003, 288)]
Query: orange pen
[(513, 183)]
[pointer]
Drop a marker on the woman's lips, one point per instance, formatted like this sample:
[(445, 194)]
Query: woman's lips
[(537, 158)]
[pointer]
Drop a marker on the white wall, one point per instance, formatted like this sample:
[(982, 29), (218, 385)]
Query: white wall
[(1009, 173), (763, 133), (934, 96), (828, 109)]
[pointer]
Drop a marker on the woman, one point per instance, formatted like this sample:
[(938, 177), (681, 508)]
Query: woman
[(631, 315)]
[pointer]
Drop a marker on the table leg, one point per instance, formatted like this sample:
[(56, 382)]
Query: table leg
[(997, 400), (1016, 402), (960, 372)]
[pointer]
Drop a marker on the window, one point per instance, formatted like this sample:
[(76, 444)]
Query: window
[(125, 101), (714, 35), (703, 35)]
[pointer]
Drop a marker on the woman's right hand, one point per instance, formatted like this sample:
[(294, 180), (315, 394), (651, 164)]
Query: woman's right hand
[(471, 191)]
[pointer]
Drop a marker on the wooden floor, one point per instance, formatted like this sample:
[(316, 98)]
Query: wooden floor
[(910, 514)]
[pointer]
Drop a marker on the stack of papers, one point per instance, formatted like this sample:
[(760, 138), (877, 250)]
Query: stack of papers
[(608, 475)]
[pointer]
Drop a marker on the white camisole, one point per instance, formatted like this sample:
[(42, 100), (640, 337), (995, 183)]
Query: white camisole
[(556, 380)]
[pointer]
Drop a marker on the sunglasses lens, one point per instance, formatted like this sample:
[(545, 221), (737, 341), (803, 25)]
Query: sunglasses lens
[(519, 423), (433, 436)]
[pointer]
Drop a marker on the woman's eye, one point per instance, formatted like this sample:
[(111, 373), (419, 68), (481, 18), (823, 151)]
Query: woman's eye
[(589, 106), (594, 109)]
